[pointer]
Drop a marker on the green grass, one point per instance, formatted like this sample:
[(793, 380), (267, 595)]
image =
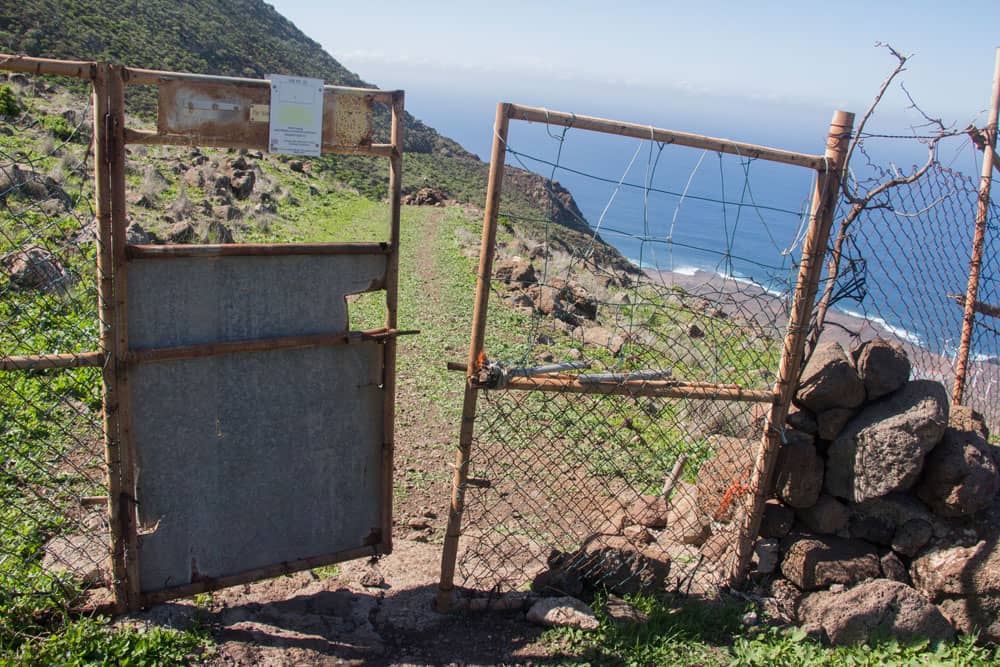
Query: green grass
[(694, 633)]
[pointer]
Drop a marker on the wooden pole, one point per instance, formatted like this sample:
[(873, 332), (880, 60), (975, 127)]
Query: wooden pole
[(449, 554), (37, 362), (813, 249), (126, 492), (78, 69), (978, 241), (652, 388), (108, 341), (391, 318), (740, 148)]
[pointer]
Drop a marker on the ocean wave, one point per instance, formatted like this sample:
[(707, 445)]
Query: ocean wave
[(777, 293), (898, 332)]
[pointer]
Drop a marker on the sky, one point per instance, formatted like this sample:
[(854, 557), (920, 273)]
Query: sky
[(764, 63)]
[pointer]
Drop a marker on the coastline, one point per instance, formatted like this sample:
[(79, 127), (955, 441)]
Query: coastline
[(768, 309)]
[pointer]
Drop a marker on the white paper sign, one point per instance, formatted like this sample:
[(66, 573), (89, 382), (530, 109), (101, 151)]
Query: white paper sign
[(296, 115)]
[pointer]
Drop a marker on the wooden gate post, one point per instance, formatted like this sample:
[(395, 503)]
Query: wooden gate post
[(108, 341), (445, 595), (813, 250), (978, 241)]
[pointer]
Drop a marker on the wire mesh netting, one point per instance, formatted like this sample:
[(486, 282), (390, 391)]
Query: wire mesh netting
[(590, 467), (53, 532), (904, 276)]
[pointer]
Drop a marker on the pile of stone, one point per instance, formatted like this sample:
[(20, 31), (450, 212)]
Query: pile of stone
[(885, 516)]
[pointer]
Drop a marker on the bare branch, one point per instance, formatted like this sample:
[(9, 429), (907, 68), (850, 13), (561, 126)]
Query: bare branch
[(900, 67)]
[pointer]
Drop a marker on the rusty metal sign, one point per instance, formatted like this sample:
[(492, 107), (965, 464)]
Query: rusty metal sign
[(239, 113)]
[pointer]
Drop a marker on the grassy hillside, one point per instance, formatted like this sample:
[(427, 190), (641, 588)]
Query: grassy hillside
[(234, 38)]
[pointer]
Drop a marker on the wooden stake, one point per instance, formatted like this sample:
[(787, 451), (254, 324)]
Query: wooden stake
[(449, 554), (119, 222), (77, 69), (675, 474), (391, 319), (978, 241), (754, 151), (36, 362), (108, 341), (657, 388), (813, 250)]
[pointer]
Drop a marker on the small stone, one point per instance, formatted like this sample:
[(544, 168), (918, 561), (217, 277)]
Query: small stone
[(912, 536), (831, 422), (637, 535), (649, 510), (817, 562), (766, 554), (894, 569), (827, 517), (622, 613), (418, 523), (802, 420), (563, 612), (372, 579)]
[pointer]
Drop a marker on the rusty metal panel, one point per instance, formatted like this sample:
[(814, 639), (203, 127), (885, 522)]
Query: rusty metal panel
[(247, 460), (188, 301), (236, 112)]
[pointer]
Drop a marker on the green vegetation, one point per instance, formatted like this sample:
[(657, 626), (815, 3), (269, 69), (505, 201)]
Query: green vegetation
[(693, 633), (9, 106)]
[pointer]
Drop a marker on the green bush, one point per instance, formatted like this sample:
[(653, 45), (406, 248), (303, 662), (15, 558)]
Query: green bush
[(59, 127), (9, 105)]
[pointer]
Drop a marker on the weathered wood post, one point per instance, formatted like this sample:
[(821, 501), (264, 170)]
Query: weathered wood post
[(978, 241), (445, 595), (793, 349)]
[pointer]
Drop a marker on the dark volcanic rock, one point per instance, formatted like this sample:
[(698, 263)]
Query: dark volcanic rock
[(515, 271), (883, 367), (816, 562), (965, 582), (830, 381), (882, 449), (960, 474), (827, 517), (34, 267), (879, 607), (831, 422), (799, 471)]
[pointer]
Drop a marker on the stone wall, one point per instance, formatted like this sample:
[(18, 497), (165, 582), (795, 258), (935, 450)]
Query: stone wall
[(885, 515)]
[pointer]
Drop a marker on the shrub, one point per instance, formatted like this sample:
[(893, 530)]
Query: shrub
[(9, 105)]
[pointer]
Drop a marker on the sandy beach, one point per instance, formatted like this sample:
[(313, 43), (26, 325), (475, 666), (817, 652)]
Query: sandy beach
[(769, 311)]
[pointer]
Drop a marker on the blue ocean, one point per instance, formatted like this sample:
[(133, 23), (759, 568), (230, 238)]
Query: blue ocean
[(678, 209)]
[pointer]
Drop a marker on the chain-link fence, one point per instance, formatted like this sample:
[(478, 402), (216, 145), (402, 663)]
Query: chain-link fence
[(621, 404), (53, 533), (904, 273)]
